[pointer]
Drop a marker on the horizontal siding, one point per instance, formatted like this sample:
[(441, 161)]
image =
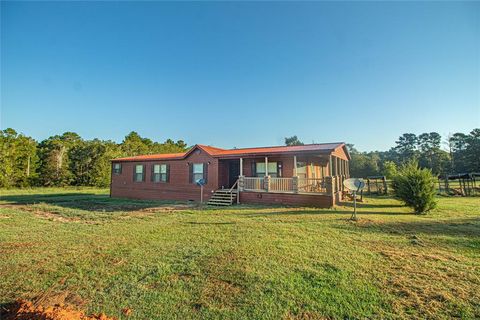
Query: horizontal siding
[(178, 188), (165, 193), (313, 200)]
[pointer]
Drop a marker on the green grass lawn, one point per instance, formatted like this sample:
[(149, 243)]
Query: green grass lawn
[(167, 260)]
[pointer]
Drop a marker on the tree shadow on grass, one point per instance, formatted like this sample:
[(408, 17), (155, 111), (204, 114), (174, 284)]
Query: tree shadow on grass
[(317, 212), (86, 201), (208, 223), (362, 205), (468, 227)]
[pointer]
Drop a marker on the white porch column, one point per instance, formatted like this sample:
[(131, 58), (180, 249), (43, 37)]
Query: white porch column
[(294, 166), (266, 180), (266, 166), (330, 162), (241, 167)]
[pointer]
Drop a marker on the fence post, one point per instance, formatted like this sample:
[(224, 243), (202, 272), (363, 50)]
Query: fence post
[(295, 184)]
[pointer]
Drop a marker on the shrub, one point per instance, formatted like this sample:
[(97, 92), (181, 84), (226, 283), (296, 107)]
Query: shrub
[(389, 169), (415, 187)]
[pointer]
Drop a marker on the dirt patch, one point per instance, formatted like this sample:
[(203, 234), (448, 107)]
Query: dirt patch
[(425, 279), (51, 304), (10, 247), (145, 212), (220, 293), (364, 222), (28, 310), (40, 212), (223, 288), (305, 315)]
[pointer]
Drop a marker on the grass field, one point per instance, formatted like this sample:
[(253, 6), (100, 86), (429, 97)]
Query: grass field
[(167, 260)]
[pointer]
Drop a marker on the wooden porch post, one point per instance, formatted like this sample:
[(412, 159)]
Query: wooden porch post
[(294, 166), (267, 177), (330, 164), (241, 181)]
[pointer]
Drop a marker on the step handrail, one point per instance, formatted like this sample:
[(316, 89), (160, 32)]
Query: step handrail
[(236, 182), (230, 191)]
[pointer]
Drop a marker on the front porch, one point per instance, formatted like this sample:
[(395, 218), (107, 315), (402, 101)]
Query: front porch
[(299, 179)]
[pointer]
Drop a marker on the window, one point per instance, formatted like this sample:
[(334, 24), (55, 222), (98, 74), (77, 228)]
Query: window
[(273, 169), (117, 168), (159, 173), (301, 169), (197, 172), (139, 173)]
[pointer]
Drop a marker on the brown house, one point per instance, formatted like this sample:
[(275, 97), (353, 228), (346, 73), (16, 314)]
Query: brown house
[(309, 175)]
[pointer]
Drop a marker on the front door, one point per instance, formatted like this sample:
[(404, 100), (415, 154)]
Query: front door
[(233, 172)]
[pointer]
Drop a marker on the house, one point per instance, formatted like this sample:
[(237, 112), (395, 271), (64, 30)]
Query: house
[(310, 175)]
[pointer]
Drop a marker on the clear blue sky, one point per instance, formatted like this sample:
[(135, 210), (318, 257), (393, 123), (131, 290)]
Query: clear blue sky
[(241, 74)]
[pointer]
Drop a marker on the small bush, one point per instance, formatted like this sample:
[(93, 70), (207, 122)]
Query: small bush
[(415, 187)]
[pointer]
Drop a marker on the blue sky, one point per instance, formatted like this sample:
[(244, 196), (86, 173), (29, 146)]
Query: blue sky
[(241, 74)]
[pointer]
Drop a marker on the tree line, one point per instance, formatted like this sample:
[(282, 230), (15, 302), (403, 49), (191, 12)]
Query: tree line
[(461, 154), (67, 159)]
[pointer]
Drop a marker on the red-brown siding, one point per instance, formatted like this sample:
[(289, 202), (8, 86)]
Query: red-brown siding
[(295, 199), (178, 188)]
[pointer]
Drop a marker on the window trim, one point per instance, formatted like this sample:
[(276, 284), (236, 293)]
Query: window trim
[(166, 174), (278, 169), (192, 171), (114, 171), (135, 173), (198, 165)]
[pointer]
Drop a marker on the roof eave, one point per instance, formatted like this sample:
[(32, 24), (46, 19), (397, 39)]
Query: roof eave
[(260, 154)]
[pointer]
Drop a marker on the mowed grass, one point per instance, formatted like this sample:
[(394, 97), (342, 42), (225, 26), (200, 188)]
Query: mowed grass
[(174, 261)]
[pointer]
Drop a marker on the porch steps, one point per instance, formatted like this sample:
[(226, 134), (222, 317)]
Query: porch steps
[(223, 197)]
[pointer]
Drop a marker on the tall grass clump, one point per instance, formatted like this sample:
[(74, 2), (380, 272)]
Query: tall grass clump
[(415, 187)]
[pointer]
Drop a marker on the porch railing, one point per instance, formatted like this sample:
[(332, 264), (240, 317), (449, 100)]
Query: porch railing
[(281, 184), (316, 185), (253, 183), (294, 185)]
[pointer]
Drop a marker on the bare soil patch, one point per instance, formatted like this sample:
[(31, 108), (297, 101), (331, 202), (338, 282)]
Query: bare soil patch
[(27, 310), (40, 212), (426, 279), (145, 212)]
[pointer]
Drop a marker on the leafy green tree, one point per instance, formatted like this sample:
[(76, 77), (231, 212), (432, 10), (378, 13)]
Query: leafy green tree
[(431, 155), (54, 166), (18, 159), (293, 141), (90, 162), (389, 169), (134, 144), (363, 164), (406, 147), (466, 151), (415, 187)]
